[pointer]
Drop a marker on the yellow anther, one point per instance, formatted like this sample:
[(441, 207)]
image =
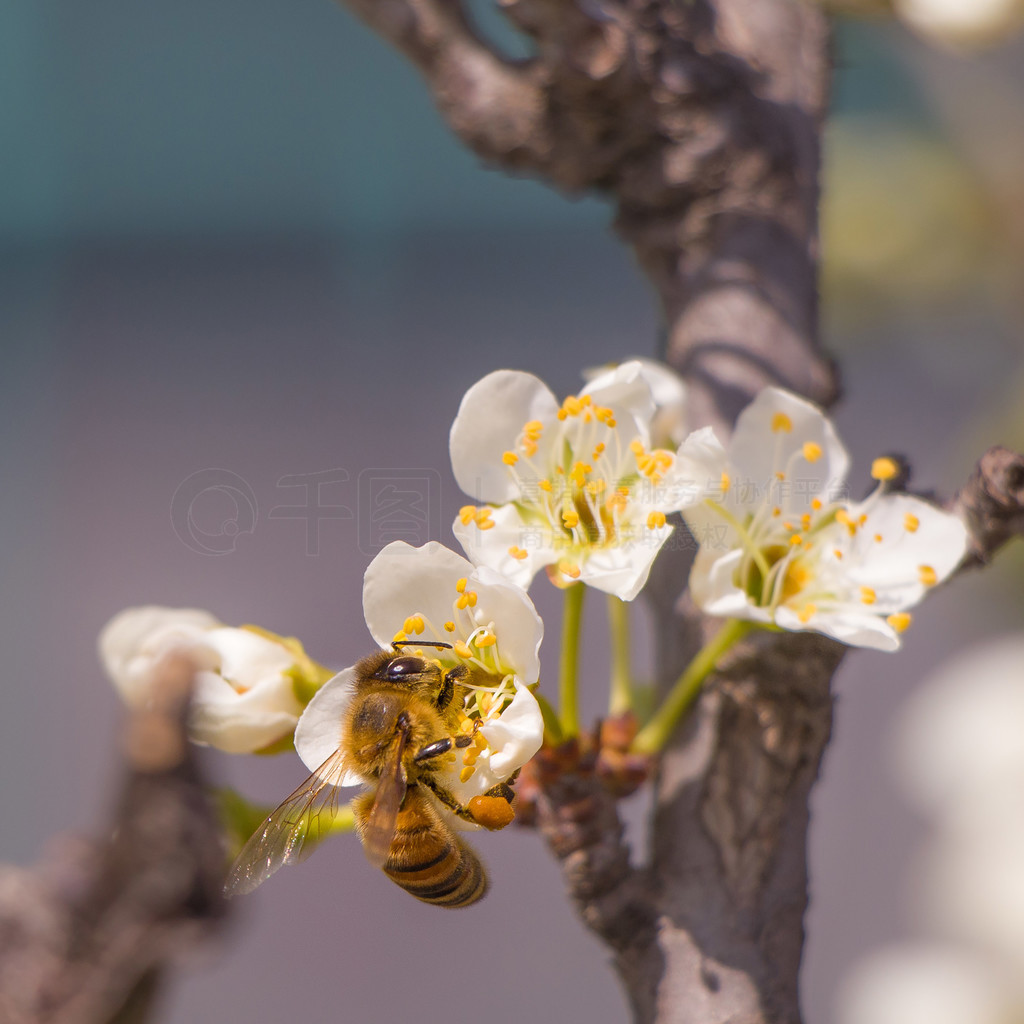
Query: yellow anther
[(787, 525), (509, 458), (483, 518), (572, 406), (878, 538), (837, 553), (484, 702), (586, 400), (781, 423), (533, 429), (449, 627), (399, 636), (911, 523), (807, 613), (530, 447), (805, 520), (467, 773), (579, 473), (466, 514), (469, 756), (726, 481), (595, 487), (460, 584), (884, 468), (776, 512), (780, 475), (656, 520), (812, 451), (900, 621), (485, 640), (570, 518), (796, 540), (862, 519), (466, 727), (569, 569), (518, 553), (544, 485), (598, 449), (636, 446), (414, 624), (610, 423), (470, 596), (816, 504), (927, 575), (462, 602), (867, 595), (462, 649), (562, 414)]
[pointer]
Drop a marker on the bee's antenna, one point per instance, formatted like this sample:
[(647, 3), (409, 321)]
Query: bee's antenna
[(399, 644)]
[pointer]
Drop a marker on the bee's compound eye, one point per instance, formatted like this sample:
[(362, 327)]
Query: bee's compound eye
[(401, 668)]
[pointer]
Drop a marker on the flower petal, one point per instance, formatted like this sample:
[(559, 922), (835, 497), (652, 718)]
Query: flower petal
[(849, 624), (403, 580), (622, 570), (760, 446), (491, 417), (893, 565), (625, 389), (517, 625), (318, 734), (511, 531)]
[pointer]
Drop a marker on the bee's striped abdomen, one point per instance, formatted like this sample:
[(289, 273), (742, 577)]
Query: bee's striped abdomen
[(429, 861)]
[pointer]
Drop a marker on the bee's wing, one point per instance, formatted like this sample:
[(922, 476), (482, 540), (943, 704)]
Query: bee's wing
[(379, 829), (292, 831)]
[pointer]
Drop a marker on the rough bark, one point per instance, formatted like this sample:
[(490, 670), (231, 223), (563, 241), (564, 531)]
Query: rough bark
[(87, 936), (701, 121)]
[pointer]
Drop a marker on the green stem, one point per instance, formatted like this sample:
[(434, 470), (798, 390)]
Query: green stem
[(622, 677), (568, 689), (655, 734), (552, 726)]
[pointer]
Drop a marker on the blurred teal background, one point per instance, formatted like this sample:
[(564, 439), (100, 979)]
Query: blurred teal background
[(239, 236)]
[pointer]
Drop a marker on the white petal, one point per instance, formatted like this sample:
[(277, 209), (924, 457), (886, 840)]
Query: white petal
[(511, 529), (852, 625), (248, 659), (756, 451), (516, 735), (668, 426), (237, 729), (623, 570), (892, 565), (625, 390), (318, 734), (135, 639), (696, 472), (403, 581), (517, 625), (491, 417), (921, 985), (713, 590)]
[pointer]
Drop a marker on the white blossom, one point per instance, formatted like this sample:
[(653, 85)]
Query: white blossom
[(574, 487), (244, 696), (962, 22), (781, 543)]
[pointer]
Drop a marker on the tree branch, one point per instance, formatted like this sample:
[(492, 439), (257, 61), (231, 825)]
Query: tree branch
[(86, 936)]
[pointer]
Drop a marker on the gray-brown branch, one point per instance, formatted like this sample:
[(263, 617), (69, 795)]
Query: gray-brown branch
[(87, 936)]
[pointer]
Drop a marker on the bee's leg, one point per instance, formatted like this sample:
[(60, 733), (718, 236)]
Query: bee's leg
[(502, 791), (446, 798), (447, 691)]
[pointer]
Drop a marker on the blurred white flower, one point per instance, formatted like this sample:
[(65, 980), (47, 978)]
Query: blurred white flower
[(917, 984), (574, 487), (431, 593), (247, 686), (780, 543), (962, 22)]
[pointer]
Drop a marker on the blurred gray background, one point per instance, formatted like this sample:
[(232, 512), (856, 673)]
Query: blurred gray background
[(237, 237)]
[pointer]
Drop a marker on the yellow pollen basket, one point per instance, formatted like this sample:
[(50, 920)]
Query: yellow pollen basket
[(781, 424)]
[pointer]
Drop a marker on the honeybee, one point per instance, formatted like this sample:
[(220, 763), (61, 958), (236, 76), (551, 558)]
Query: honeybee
[(398, 733)]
